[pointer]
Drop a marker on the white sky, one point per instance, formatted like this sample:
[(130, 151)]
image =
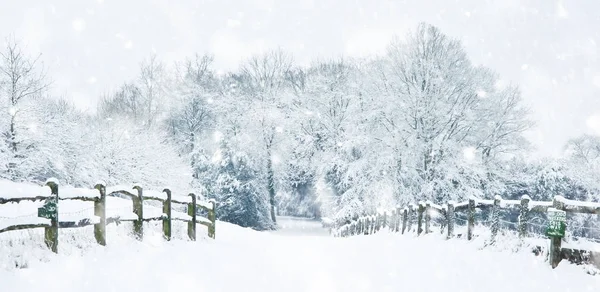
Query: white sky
[(550, 48)]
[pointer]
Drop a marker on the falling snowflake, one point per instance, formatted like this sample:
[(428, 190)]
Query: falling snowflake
[(469, 153), (78, 25)]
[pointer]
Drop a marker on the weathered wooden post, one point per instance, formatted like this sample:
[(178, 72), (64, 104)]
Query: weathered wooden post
[(471, 219), (50, 211), (398, 218), (212, 217), (524, 216), (557, 219), (373, 224), (393, 221), (411, 214), (385, 222), (138, 209), (362, 225), (167, 211), (420, 212), (427, 217), (450, 219), (191, 210), (100, 211), (404, 219), (495, 218), (443, 222)]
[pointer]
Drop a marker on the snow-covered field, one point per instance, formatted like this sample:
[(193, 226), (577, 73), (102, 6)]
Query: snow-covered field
[(245, 260)]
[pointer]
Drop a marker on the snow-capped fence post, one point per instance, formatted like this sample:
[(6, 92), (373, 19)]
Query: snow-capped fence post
[(524, 216), (427, 217), (167, 211), (420, 212), (471, 218), (404, 219), (51, 232), (191, 210), (450, 219), (495, 216), (138, 209), (393, 221), (212, 217), (100, 211)]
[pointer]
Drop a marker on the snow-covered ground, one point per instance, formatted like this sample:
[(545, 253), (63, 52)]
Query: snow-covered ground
[(245, 260)]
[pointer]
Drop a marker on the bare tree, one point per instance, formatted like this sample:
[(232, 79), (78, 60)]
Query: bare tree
[(264, 80), (22, 79)]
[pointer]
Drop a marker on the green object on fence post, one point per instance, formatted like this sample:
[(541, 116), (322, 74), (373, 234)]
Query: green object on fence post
[(167, 211), (556, 231), (212, 217), (192, 212), (50, 211), (138, 209), (557, 223), (100, 211)]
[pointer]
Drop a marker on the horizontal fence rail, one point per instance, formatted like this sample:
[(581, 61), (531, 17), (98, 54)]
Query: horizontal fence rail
[(402, 220), (48, 215)]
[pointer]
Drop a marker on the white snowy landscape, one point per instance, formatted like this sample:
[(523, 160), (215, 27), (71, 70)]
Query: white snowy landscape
[(263, 145), (298, 258)]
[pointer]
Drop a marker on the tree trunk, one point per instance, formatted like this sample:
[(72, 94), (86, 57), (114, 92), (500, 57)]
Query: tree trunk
[(271, 185)]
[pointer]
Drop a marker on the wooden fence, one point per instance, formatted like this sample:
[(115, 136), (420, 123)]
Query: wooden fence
[(48, 215), (402, 219)]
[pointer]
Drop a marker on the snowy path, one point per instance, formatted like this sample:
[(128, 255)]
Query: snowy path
[(296, 226), (244, 260)]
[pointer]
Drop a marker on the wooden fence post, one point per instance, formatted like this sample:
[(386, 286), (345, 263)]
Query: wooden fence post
[(404, 219), (420, 212), (138, 209), (450, 219), (373, 223), (524, 216), (471, 219), (100, 211), (212, 217), (427, 217), (362, 225), (393, 221), (191, 210), (398, 218), (167, 211), (495, 218), (556, 242), (411, 214), (51, 233), (385, 224)]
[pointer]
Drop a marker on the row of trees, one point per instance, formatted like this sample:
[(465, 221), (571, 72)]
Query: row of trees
[(336, 138)]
